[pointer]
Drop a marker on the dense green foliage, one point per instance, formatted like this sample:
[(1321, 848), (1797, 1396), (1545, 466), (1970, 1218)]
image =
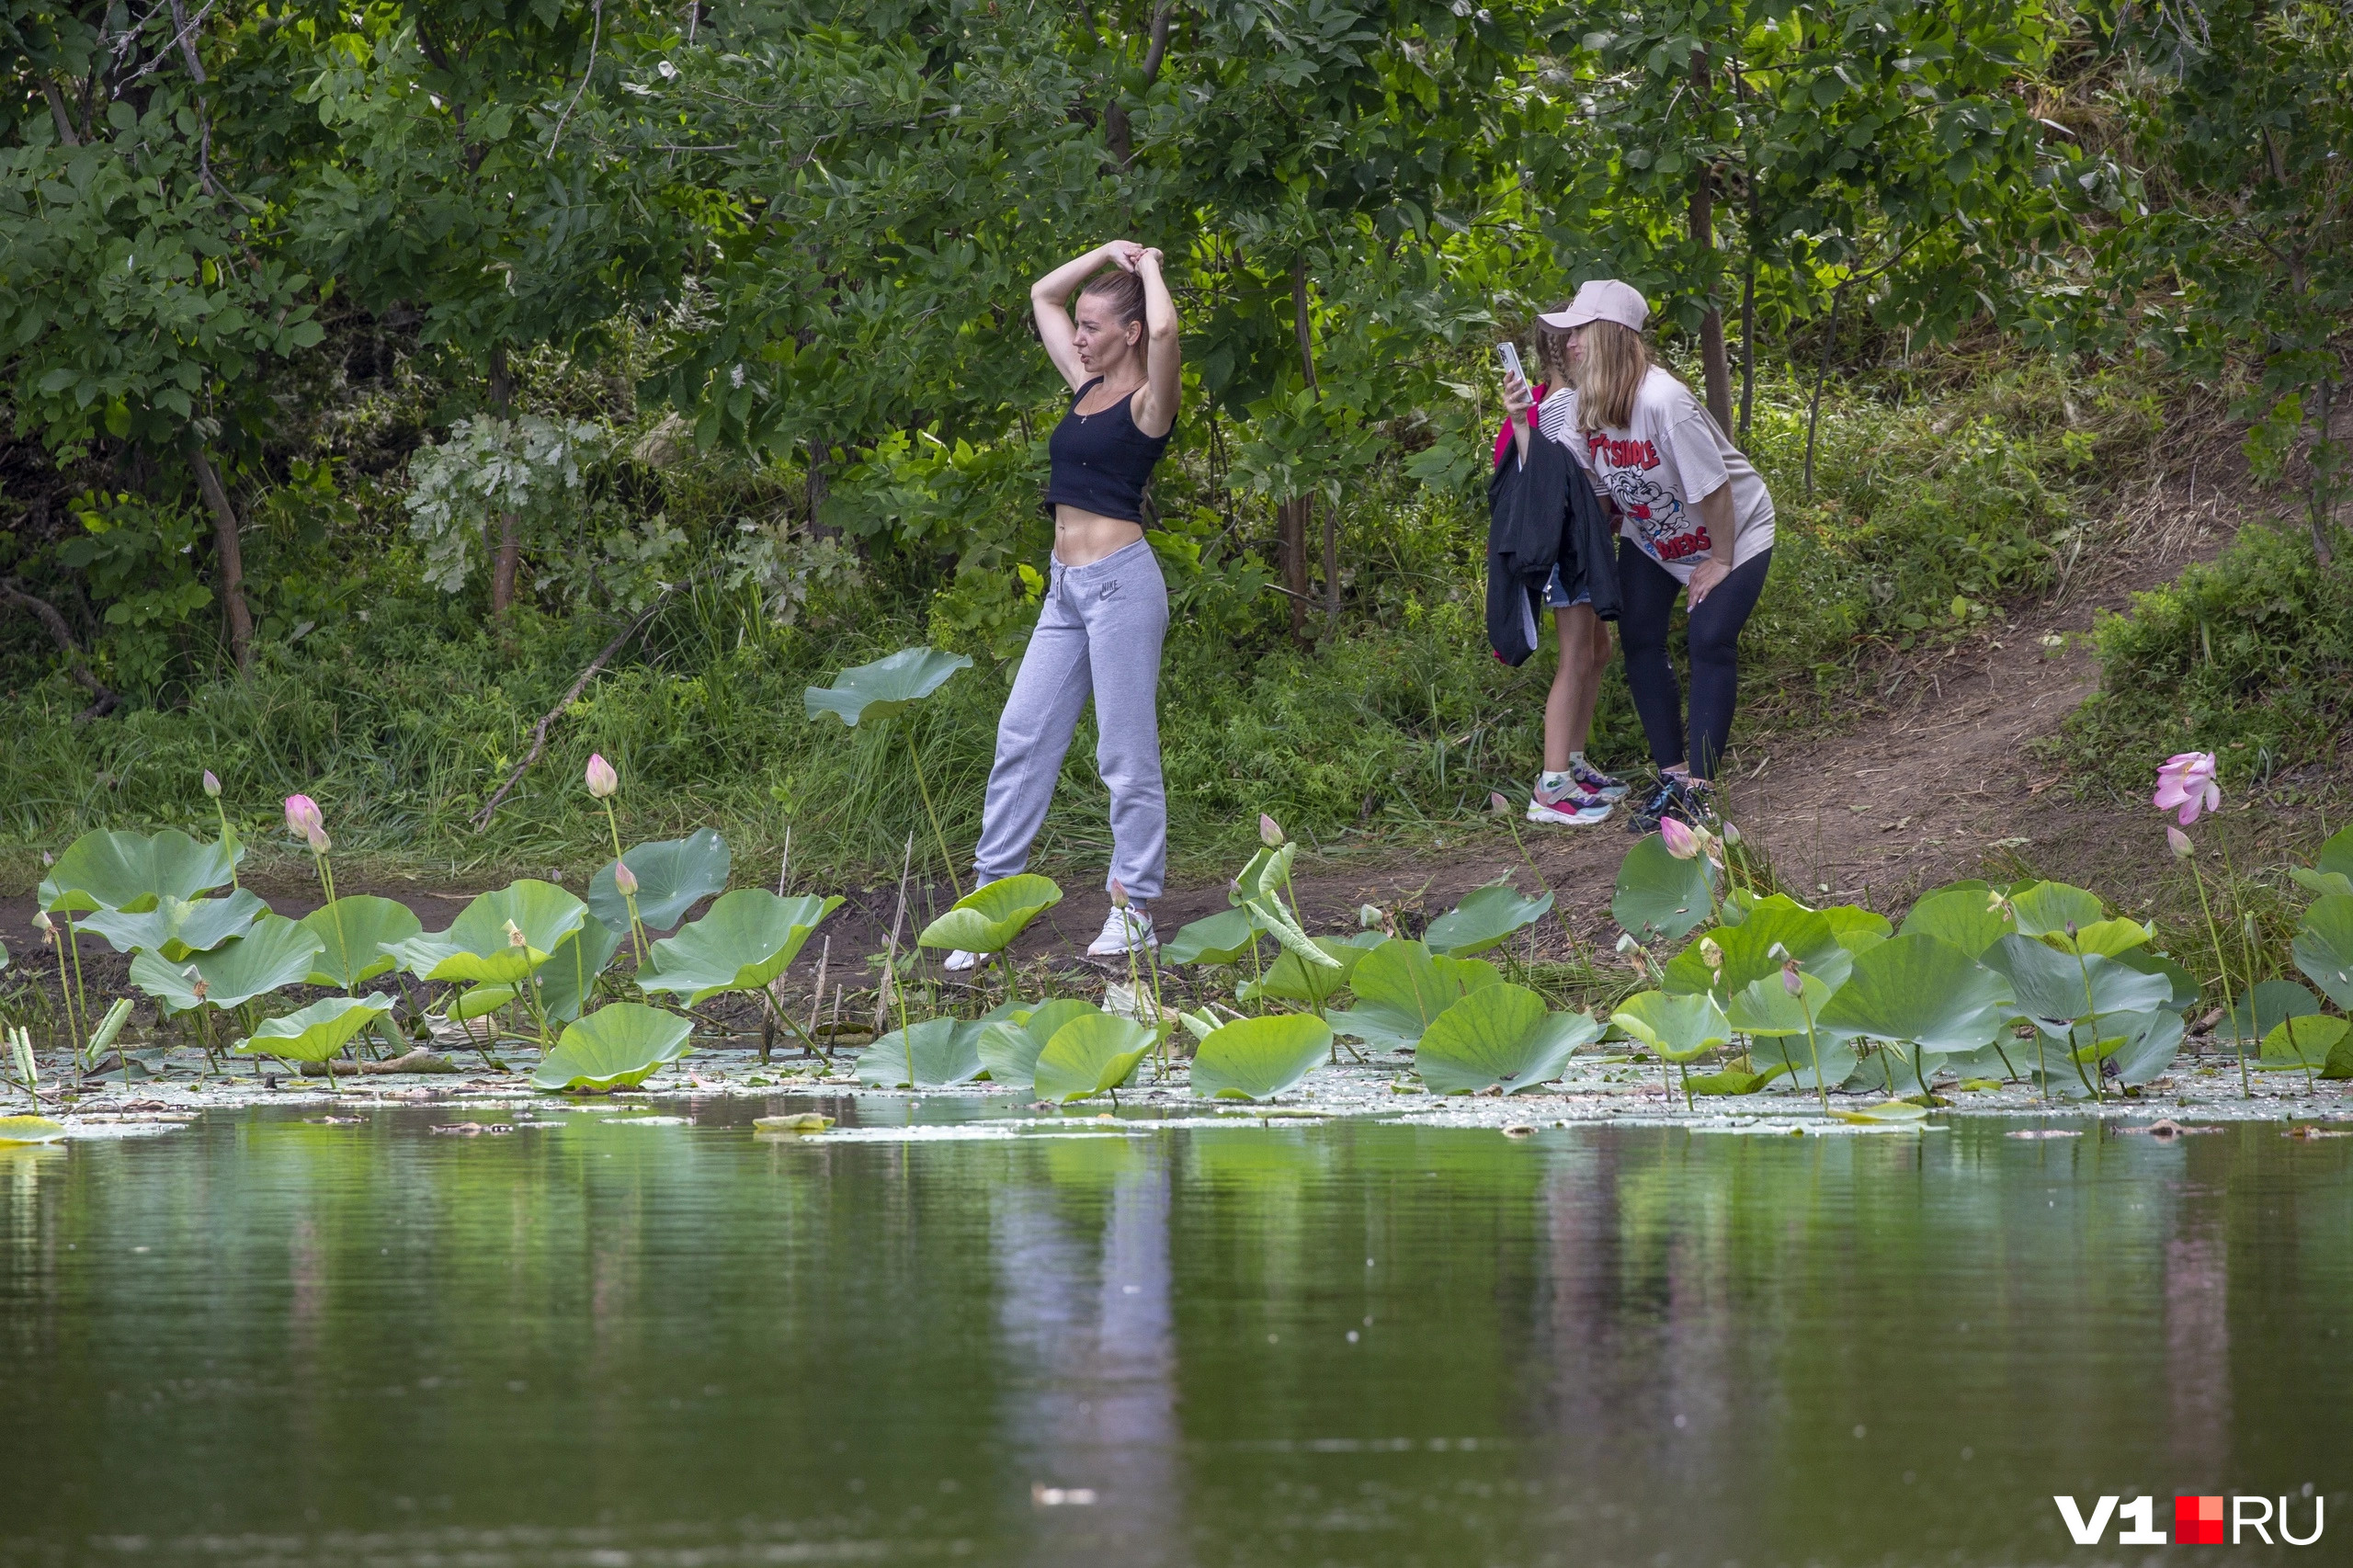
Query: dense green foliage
[(369, 370)]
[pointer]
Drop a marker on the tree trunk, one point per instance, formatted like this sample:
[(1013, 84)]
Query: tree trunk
[(230, 552), (1331, 567), (1298, 512), (508, 559), (2324, 466), (1713, 360)]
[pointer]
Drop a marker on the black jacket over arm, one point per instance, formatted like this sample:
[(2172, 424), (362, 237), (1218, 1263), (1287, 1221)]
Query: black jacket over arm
[(1541, 516)]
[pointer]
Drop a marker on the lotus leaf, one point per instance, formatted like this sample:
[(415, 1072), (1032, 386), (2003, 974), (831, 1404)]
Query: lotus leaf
[(1223, 937), (613, 1048), (1920, 989), (356, 931), (30, 1129), (1009, 1048), (673, 876), (2340, 1061), (1749, 950), (2141, 1046), (273, 951), (569, 977), (1490, 916), (175, 927), (1888, 1113), (2324, 948), (2336, 856), (1856, 929), (799, 1121), (748, 938), (2323, 883), (1257, 1059), (987, 919), (882, 689), (926, 1055), (2103, 938), (2185, 984), (482, 999), (2256, 1012), (2043, 909), (1499, 1035), (2048, 985), (1766, 1012), (1291, 981), (477, 948), (1733, 1081), (1763, 1006), (1962, 916), (1401, 986), (1678, 1027), (1091, 1054), (2303, 1042), (1660, 898), (318, 1033), (131, 872), (1258, 890)]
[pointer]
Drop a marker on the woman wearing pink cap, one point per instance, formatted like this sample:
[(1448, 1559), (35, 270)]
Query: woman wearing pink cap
[(1693, 515)]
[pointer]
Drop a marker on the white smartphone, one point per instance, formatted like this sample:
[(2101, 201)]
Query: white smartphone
[(1510, 353)]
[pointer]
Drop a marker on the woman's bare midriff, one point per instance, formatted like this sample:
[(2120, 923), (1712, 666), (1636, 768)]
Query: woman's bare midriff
[(1082, 537)]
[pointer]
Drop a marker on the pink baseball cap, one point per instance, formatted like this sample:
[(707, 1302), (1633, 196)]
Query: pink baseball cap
[(1604, 299)]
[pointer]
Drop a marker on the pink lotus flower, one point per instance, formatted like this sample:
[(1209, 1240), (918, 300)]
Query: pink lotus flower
[(1497, 803), (1271, 833), (624, 880), (1791, 980), (1118, 894), (602, 779), (304, 817), (2187, 782), (211, 784), (319, 841), (2182, 849), (1681, 842)]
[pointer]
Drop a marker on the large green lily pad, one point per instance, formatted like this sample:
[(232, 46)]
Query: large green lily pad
[(1965, 918), (2324, 947), (613, 1048), (477, 947), (882, 689), (1776, 928), (1679, 1028), (1009, 1048), (30, 1129), (987, 919), (1259, 890), (1223, 937), (1660, 898), (2141, 1047), (1257, 1059), (2254, 1012), (1499, 1035), (274, 952), (1490, 916), (175, 927), (2056, 989), (1922, 991), (356, 932), (748, 938), (318, 1033), (2044, 909), (926, 1055), (673, 876), (1288, 980), (1776, 1022), (2305, 1042), (132, 872), (1090, 1056), (568, 979), (1401, 986)]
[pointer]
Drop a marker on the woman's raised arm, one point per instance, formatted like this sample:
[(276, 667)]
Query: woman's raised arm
[(1154, 410), (1049, 303)]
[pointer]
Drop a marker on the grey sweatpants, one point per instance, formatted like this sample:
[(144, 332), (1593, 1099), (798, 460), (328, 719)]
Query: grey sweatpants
[(1099, 631)]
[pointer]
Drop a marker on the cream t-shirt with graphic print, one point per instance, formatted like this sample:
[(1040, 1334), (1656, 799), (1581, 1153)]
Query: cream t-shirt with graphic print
[(1657, 468)]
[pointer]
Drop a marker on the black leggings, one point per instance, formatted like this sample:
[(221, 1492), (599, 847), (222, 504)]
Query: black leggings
[(1648, 592)]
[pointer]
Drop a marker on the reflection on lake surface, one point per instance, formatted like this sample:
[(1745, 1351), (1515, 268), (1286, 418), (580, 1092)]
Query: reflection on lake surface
[(263, 1340)]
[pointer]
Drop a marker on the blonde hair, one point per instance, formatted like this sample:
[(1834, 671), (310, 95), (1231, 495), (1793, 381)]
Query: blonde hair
[(1616, 360)]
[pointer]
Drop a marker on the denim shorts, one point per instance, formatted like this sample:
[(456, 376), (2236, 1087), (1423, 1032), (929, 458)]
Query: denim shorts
[(1557, 596)]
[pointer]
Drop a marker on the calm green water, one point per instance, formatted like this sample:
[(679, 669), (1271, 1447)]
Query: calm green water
[(267, 1341)]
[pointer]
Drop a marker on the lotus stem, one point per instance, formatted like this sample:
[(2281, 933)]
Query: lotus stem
[(1576, 946), (1685, 1068), (2223, 969), (228, 844), (81, 1011), (2091, 1083), (914, 753), (636, 930), (2246, 946), (2304, 1060), (1814, 1045)]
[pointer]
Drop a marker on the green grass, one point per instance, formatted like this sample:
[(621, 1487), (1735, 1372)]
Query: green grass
[(1936, 503)]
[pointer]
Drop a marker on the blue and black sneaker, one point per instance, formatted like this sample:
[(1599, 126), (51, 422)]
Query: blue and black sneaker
[(1691, 802)]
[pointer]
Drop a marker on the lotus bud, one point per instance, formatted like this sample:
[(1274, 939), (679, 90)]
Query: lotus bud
[(211, 784), (1118, 894), (319, 841), (1497, 804), (515, 936), (42, 923), (1710, 953), (2182, 849), (303, 816), (201, 989), (1732, 834), (624, 880), (1626, 943), (2071, 930), (1778, 951), (1994, 902), (1369, 918), (602, 780), (1791, 980), (1270, 834), (1681, 842)]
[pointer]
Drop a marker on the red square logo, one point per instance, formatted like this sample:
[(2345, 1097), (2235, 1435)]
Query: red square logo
[(2197, 1521)]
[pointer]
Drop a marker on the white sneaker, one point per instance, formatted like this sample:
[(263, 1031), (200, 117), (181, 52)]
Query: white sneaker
[(958, 961), (1580, 808), (1124, 931)]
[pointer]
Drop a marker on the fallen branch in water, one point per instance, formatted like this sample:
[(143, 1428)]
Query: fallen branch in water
[(420, 1059)]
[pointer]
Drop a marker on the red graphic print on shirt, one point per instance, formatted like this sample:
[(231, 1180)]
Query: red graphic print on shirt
[(1667, 531)]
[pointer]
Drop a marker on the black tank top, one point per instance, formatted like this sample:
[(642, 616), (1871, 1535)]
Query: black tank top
[(1101, 461)]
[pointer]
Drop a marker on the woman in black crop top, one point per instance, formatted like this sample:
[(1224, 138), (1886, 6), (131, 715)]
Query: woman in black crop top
[(1106, 608)]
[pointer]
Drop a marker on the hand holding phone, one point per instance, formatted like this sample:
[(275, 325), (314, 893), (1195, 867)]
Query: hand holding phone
[(1510, 354)]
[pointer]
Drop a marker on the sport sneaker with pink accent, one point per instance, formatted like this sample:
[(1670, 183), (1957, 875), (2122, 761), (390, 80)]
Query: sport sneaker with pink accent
[(1577, 807)]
